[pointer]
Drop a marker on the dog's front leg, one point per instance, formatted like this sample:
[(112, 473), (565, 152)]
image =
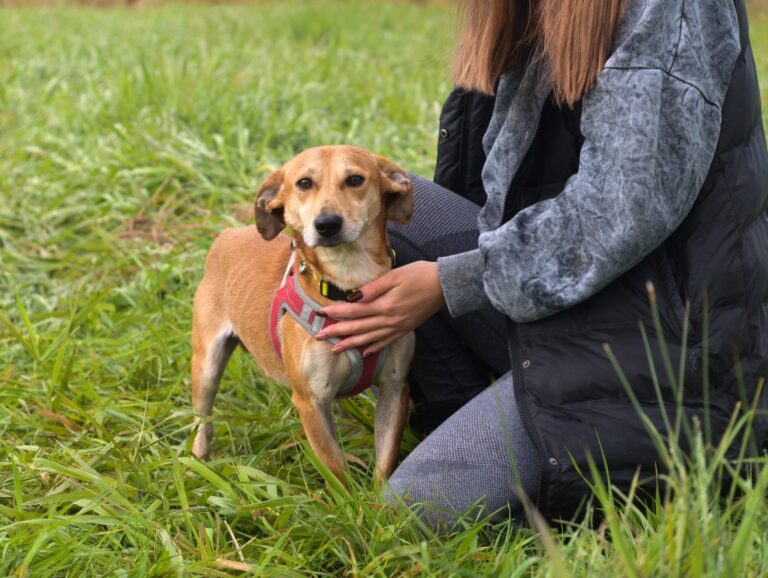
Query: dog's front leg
[(317, 419), (392, 406), (313, 372)]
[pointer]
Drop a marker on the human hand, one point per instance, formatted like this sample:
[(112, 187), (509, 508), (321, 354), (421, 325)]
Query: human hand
[(391, 306)]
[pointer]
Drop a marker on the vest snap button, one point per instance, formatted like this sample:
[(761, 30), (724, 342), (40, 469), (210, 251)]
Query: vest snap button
[(553, 461), (443, 133), (526, 364)]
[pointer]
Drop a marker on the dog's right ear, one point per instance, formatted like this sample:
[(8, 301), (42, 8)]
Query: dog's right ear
[(269, 206)]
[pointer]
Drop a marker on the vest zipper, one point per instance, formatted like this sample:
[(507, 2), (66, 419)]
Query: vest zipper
[(523, 411), (517, 375)]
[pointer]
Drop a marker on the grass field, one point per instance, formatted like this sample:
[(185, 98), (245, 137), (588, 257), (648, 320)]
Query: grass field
[(128, 138)]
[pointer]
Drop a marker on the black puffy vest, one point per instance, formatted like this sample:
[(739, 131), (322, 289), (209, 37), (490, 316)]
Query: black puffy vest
[(570, 397)]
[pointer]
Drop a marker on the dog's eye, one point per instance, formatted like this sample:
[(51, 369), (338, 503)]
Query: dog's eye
[(354, 180), (304, 184)]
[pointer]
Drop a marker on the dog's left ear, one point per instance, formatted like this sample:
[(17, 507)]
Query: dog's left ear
[(269, 208), (396, 191)]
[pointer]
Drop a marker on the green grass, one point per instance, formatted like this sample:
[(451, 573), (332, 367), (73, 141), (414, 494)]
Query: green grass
[(128, 139)]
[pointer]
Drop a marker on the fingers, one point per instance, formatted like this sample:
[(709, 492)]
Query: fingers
[(362, 326), (348, 310), (369, 339), (382, 311), (377, 287), (366, 294)]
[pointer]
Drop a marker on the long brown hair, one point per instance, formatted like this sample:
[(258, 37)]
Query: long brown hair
[(574, 37)]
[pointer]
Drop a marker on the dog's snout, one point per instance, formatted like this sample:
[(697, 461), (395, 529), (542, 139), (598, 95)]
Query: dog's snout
[(328, 225)]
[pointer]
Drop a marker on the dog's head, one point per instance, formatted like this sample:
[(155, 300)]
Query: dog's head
[(331, 195)]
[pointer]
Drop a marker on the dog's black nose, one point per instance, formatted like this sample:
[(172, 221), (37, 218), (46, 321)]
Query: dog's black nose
[(328, 225)]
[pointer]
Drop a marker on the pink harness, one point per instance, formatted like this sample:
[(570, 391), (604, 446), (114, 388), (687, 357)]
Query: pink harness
[(290, 299)]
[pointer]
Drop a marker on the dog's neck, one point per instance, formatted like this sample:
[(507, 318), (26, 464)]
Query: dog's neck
[(348, 266)]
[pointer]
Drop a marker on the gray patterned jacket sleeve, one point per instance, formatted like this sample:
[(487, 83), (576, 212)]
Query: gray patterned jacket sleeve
[(650, 127)]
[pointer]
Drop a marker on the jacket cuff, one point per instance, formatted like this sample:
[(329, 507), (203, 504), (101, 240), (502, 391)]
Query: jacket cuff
[(461, 277)]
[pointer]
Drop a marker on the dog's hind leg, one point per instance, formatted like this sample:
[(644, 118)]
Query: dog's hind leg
[(210, 352)]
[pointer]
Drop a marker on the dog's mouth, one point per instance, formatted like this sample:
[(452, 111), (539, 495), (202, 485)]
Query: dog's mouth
[(333, 242)]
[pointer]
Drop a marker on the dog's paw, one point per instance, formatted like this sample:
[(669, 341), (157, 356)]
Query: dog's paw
[(201, 448)]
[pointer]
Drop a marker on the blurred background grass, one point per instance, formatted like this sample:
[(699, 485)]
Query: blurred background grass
[(752, 4), (148, 3), (128, 139)]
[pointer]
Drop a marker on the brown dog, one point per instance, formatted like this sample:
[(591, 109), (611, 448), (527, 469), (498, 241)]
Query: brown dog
[(336, 201)]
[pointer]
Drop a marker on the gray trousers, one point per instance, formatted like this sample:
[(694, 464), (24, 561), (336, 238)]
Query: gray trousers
[(479, 458)]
